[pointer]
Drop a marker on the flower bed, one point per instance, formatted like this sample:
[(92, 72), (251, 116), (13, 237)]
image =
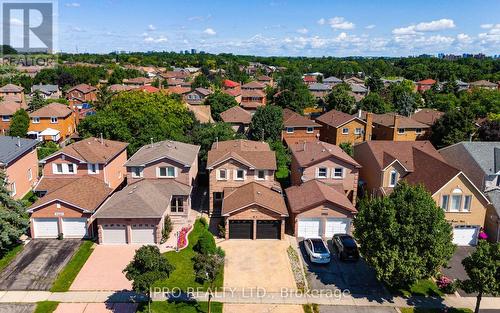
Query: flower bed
[(182, 240)]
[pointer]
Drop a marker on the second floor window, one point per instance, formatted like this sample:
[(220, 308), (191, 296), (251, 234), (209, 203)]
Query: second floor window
[(357, 131), (36, 120), (30, 174), (322, 172), (222, 174), (338, 172), (93, 168), (5, 118), (177, 204), (53, 120), (345, 131), (393, 179), (168, 171), (289, 130), (240, 175), (310, 130), (261, 174), (401, 131), (137, 172), (63, 168)]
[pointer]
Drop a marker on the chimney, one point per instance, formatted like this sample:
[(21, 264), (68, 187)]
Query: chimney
[(102, 139), (216, 142), (18, 141), (396, 126), (360, 113), (369, 126), (304, 146)]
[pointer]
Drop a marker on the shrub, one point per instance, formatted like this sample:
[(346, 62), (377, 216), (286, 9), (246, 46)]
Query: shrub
[(206, 243), (203, 221), (222, 231), (167, 229), (446, 284)]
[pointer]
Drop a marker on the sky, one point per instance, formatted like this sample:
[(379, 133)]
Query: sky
[(281, 27)]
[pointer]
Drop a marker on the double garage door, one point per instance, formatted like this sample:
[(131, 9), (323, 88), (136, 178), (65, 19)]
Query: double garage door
[(312, 227), (243, 229), (116, 234), (49, 227), (465, 235)]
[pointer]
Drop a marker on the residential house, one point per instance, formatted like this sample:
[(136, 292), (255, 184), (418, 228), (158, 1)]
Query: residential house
[(319, 210), (428, 117), (392, 126), (180, 74), (147, 88), (177, 82), (138, 81), (309, 79), (480, 161), (266, 80), (82, 93), (327, 163), (238, 117), (253, 85), (183, 91), (235, 93), (338, 127), (385, 163), (332, 81), (197, 96), (358, 91), (483, 84), (19, 161), (160, 179), (353, 80), (243, 191), (75, 181), (229, 84), (251, 99), (425, 84), (8, 106), (298, 128), (318, 90), (54, 122), (120, 88), (13, 91), (46, 91), (462, 85)]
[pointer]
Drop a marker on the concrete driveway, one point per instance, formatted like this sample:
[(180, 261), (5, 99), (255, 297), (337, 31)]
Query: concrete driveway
[(357, 277), (103, 269), (257, 263), (261, 308), (455, 269), (37, 266), (96, 308), (17, 308)]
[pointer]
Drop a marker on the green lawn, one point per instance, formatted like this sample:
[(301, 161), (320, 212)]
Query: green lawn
[(9, 256), (422, 310), (424, 287), (68, 274), (183, 276), (180, 307), (46, 306)]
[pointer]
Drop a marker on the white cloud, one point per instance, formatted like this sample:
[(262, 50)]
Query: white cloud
[(210, 31), (339, 22), (321, 21), (487, 26), (372, 26), (151, 28), (464, 38), (16, 22), (423, 27), (77, 29), (72, 5), (160, 39), (302, 30), (410, 30)]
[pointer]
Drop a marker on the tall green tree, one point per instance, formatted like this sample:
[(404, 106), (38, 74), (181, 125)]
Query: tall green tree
[(207, 268), (205, 135), (454, 126), (267, 123), (483, 269), (104, 97), (19, 124), (489, 131), (374, 82), (339, 99), (404, 236), (374, 103), (36, 102), (147, 267), (200, 81), (291, 92), (219, 102)]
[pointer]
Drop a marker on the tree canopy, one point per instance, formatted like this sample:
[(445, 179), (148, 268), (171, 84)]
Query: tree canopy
[(404, 236), (454, 126), (19, 124), (219, 102), (267, 123), (205, 135), (339, 99)]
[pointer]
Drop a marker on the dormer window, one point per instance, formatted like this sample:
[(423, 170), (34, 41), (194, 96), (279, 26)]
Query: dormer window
[(137, 172), (93, 168), (393, 179), (166, 172), (322, 172), (338, 172), (53, 120), (310, 130), (222, 174), (36, 120), (289, 130), (261, 174), (239, 174)]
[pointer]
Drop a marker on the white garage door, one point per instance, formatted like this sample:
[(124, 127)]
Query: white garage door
[(143, 234), (336, 226), (74, 227), (465, 235), (45, 227), (308, 228), (113, 234)]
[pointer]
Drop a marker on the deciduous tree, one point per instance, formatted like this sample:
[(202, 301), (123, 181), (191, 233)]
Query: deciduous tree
[(219, 102), (339, 99), (267, 123), (19, 124)]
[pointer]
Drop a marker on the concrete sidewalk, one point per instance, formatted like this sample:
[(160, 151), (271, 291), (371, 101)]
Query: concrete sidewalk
[(248, 298)]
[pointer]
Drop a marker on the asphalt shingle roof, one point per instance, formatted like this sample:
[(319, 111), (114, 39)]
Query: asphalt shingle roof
[(9, 149), (178, 151)]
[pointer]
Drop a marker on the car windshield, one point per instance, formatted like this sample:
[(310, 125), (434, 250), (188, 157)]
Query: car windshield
[(348, 242), (318, 246)]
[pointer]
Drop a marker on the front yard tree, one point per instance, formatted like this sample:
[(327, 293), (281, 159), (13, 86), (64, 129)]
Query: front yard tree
[(403, 236), (36, 102), (147, 267), (219, 102), (207, 267), (20, 124), (267, 123), (483, 269)]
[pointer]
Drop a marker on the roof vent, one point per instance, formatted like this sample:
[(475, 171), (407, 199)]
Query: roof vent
[(258, 192)]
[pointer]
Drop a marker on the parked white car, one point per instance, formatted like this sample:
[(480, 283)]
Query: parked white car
[(317, 250)]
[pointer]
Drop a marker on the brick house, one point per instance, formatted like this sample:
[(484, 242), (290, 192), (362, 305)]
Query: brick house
[(243, 190), (251, 99), (160, 179), (8, 106), (238, 117), (197, 96), (481, 162), (14, 91), (338, 127), (425, 84), (298, 128), (385, 163), (19, 161), (82, 93), (53, 122), (395, 127), (75, 181)]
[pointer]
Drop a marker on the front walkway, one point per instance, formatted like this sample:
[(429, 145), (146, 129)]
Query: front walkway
[(96, 308), (103, 269)]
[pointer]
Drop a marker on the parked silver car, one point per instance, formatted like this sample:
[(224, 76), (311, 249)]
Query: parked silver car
[(317, 250)]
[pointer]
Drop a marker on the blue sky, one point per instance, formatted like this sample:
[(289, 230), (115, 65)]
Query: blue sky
[(280, 27)]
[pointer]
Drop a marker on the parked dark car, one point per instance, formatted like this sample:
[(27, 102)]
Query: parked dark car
[(346, 247)]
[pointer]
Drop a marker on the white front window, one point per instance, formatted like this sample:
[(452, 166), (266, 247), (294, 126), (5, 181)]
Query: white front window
[(13, 189), (63, 168), (289, 130), (5, 118), (401, 131), (345, 131), (53, 120), (393, 179), (310, 130), (30, 174), (322, 172), (467, 203), (261, 175), (93, 168), (35, 120), (168, 171), (357, 131), (445, 199), (338, 172), (136, 172), (222, 174), (239, 174)]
